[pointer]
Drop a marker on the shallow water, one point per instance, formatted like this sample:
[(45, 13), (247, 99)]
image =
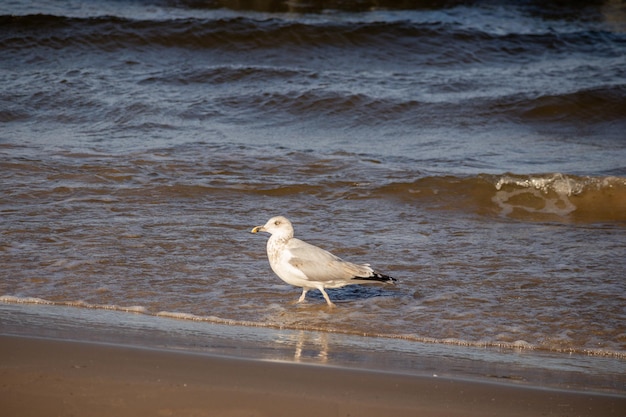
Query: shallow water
[(396, 356), (473, 151)]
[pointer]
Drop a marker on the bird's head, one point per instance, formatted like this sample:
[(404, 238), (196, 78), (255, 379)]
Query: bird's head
[(278, 225)]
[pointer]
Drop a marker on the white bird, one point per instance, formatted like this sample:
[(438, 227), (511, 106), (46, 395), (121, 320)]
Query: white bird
[(303, 265)]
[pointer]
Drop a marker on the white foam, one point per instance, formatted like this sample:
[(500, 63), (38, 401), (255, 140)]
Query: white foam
[(23, 300), (552, 191), (522, 344), (77, 303), (559, 183), (211, 319), (180, 316)]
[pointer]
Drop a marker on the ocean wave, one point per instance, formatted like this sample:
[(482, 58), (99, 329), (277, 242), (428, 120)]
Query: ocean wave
[(248, 34), (549, 9), (408, 75), (593, 105), (581, 198), (540, 197), (230, 74), (227, 173), (310, 6)]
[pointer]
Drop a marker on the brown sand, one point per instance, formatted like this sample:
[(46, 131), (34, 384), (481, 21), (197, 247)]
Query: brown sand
[(40, 377)]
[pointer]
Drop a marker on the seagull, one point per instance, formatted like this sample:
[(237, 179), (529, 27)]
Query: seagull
[(303, 265)]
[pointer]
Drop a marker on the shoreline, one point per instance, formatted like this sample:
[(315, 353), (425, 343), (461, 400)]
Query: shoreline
[(518, 345), (60, 377), (526, 368)]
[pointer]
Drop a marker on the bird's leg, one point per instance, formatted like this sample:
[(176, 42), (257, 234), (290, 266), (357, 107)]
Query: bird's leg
[(330, 303), (301, 299)]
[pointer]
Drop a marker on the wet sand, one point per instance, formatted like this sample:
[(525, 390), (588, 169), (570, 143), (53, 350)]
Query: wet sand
[(45, 377)]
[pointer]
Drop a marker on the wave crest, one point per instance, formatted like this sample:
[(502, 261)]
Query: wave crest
[(579, 198), (539, 197)]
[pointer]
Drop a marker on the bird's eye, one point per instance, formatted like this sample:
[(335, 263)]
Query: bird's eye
[(277, 222)]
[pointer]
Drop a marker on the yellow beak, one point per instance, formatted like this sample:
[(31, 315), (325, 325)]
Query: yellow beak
[(257, 229)]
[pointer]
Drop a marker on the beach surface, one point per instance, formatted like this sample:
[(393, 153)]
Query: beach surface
[(65, 378)]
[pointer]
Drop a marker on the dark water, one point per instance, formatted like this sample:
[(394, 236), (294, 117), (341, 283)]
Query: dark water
[(473, 150)]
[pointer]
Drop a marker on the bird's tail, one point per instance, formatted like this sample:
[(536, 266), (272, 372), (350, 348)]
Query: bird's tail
[(377, 278)]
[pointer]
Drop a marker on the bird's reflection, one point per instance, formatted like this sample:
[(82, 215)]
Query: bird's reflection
[(307, 346)]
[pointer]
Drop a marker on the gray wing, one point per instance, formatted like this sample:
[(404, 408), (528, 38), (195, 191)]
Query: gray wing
[(320, 265)]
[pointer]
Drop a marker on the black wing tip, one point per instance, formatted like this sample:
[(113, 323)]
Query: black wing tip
[(379, 278)]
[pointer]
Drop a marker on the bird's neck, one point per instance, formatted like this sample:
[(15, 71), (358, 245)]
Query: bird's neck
[(278, 241)]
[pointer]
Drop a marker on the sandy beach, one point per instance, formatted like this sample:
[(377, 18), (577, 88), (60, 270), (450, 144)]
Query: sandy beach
[(44, 377)]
